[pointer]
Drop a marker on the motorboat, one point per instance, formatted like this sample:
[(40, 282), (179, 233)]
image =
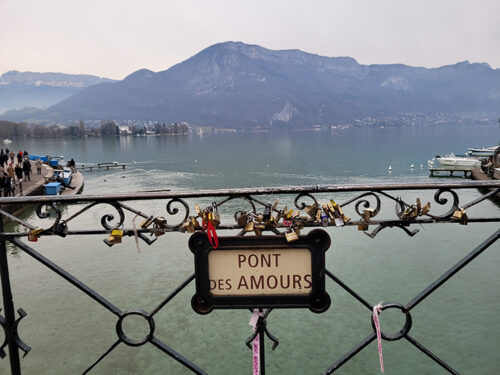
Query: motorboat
[(458, 161), (483, 151)]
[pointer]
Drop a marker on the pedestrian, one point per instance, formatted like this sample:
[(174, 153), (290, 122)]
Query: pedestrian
[(38, 164), (1, 157), (20, 157), (10, 171), (18, 169), (26, 169), (25, 153)]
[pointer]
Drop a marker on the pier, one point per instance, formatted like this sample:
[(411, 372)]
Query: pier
[(449, 172), (88, 167)]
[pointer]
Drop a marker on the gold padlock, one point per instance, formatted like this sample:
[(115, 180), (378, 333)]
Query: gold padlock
[(115, 237), (461, 216), (291, 236), (249, 226), (147, 222), (426, 209)]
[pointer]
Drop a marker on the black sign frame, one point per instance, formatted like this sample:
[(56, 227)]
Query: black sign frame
[(317, 242)]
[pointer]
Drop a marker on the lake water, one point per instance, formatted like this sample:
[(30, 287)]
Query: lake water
[(459, 322)]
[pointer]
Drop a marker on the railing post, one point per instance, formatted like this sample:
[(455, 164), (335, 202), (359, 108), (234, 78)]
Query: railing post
[(8, 303)]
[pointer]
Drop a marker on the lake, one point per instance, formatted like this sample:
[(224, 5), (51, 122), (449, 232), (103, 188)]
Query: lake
[(459, 322)]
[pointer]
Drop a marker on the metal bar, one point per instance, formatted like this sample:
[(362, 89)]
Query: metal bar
[(8, 304), (68, 277), (453, 270), (346, 357), (79, 212), (172, 295), (179, 358), (252, 191), (427, 352), (130, 232), (482, 198), (348, 290), (115, 344), (17, 220)]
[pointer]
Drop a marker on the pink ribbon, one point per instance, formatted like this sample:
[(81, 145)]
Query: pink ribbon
[(256, 342), (135, 234), (376, 310)]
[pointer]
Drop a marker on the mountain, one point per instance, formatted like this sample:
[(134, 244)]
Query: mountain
[(233, 84), (31, 89)]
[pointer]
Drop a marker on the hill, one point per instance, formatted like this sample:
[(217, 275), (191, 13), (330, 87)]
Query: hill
[(237, 85)]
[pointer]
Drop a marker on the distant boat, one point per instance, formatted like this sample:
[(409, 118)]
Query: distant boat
[(7, 141), (484, 151)]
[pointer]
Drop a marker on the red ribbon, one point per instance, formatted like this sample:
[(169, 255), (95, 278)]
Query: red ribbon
[(211, 233)]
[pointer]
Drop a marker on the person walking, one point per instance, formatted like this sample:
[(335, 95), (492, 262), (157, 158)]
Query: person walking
[(10, 171), (26, 169), (38, 164), (18, 169)]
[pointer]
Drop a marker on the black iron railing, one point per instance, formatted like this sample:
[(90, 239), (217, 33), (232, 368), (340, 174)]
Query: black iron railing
[(256, 212)]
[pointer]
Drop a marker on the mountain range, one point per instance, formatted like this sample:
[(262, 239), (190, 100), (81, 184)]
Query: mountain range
[(237, 85), (31, 89)]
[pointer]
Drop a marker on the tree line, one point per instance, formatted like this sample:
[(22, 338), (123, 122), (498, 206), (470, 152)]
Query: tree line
[(10, 129)]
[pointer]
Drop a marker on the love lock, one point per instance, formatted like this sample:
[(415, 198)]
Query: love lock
[(115, 237), (34, 234), (159, 226)]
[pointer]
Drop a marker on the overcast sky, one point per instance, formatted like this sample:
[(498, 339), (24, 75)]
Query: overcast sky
[(113, 38)]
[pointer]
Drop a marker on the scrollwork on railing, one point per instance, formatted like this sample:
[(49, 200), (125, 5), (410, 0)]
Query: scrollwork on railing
[(174, 210), (108, 218), (52, 206)]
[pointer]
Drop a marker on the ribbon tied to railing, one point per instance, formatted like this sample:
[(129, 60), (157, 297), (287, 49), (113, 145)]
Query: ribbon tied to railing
[(376, 310), (256, 341)]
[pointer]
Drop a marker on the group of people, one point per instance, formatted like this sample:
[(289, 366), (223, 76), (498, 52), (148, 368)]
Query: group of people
[(14, 168)]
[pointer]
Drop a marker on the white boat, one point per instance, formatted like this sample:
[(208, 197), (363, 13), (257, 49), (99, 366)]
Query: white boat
[(458, 161), (483, 151), (7, 141)]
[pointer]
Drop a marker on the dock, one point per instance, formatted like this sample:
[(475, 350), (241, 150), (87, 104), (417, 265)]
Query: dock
[(35, 186), (88, 167), (450, 171)]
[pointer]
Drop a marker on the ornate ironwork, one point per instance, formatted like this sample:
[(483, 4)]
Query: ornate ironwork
[(366, 206)]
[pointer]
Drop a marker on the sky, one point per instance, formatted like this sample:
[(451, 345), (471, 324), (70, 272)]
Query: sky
[(113, 38)]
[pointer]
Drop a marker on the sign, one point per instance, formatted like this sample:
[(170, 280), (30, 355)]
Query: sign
[(260, 272)]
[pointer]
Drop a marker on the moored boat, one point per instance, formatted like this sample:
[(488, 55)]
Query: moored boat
[(483, 151), (458, 161)]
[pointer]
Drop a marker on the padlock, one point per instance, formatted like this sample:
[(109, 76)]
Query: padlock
[(287, 222), (312, 210), (291, 236), (159, 226), (196, 225), (266, 215), (147, 222), (33, 234), (187, 226), (242, 218), (249, 226), (363, 225), (115, 237), (198, 210), (461, 216), (215, 215), (324, 220), (426, 209)]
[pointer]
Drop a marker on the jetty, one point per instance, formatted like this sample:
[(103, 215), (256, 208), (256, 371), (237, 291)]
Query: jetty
[(36, 185), (450, 171), (88, 167)]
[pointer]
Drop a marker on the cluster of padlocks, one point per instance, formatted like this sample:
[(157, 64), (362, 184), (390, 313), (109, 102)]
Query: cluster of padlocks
[(329, 213)]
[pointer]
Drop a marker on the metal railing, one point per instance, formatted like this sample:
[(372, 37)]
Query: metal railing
[(254, 214)]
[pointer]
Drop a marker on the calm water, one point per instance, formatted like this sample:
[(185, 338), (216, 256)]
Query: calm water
[(459, 322)]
